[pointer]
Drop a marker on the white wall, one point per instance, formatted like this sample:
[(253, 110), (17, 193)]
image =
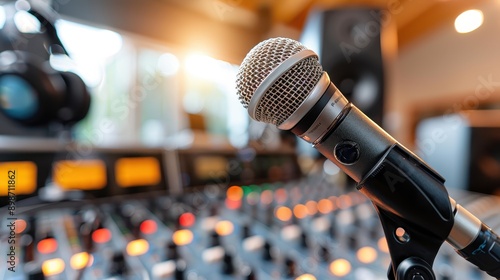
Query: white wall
[(445, 68)]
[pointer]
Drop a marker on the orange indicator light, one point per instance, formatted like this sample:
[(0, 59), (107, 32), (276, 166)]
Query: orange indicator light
[(283, 213), (300, 211), (224, 228), (234, 193), (101, 235), (182, 237), (340, 267), (366, 255), (81, 260), (137, 247), (47, 246), (20, 225), (382, 245), (306, 277), (52, 267)]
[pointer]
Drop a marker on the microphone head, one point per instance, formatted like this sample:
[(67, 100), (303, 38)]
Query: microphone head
[(282, 72)]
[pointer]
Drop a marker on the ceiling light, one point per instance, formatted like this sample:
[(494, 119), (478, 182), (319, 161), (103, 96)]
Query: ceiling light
[(468, 21)]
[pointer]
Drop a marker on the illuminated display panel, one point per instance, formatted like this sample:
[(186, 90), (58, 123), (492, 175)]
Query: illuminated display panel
[(208, 167), (137, 171), (93, 175), (85, 174), (23, 177), (199, 168)]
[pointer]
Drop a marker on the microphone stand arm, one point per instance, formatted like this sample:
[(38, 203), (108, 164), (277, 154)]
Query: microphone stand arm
[(417, 216)]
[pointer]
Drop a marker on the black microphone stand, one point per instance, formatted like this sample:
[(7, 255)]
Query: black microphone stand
[(417, 216)]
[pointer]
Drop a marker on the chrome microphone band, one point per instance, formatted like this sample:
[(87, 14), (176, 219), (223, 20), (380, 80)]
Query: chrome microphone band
[(465, 228), (322, 124)]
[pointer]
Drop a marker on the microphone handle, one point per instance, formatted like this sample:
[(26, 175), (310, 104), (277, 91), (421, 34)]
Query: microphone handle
[(484, 251)]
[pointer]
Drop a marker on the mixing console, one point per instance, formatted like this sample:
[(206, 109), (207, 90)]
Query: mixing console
[(123, 213), (303, 229)]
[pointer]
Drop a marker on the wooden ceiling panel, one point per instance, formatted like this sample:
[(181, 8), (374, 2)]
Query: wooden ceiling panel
[(436, 15), (413, 18)]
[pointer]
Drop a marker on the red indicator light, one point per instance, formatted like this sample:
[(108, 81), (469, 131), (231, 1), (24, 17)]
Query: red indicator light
[(148, 227), (21, 225), (233, 204), (187, 219), (101, 235), (47, 246)]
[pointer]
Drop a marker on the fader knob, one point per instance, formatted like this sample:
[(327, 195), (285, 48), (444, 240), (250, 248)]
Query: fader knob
[(324, 254), (266, 253), (290, 268), (85, 231), (245, 232), (180, 270), (172, 252), (28, 248), (118, 265), (269, 219), (375, 233), (249, 273), (214, 239), (333, 232), (445, 277), (36, 274), (303, 240), (227, 264), (352, 242)]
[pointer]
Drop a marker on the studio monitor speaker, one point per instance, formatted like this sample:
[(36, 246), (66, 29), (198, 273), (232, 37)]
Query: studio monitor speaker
[(349, 42), (464, 148)]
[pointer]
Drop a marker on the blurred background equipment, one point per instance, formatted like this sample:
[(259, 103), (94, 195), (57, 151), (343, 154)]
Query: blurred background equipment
[(165, 176), (32, 92), (464, 147), (353, 44), (349, 42)]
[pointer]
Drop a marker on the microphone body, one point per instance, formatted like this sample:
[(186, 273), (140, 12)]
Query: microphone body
[(281, 82), (403, 188)]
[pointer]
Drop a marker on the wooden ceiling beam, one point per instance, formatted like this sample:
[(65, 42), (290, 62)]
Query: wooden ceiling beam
[(285, 11), (435, 16), (412, 18)]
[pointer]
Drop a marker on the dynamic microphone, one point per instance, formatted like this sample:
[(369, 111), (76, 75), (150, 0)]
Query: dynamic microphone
[(281, 82)]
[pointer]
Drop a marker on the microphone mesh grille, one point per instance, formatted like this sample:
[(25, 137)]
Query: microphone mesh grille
[(283, 97)]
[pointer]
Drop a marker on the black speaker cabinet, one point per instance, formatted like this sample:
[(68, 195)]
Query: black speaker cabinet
[(348, 42), (464, 148)]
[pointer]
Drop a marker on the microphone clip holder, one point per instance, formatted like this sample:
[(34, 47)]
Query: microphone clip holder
[(414, 209), (412, 250)]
